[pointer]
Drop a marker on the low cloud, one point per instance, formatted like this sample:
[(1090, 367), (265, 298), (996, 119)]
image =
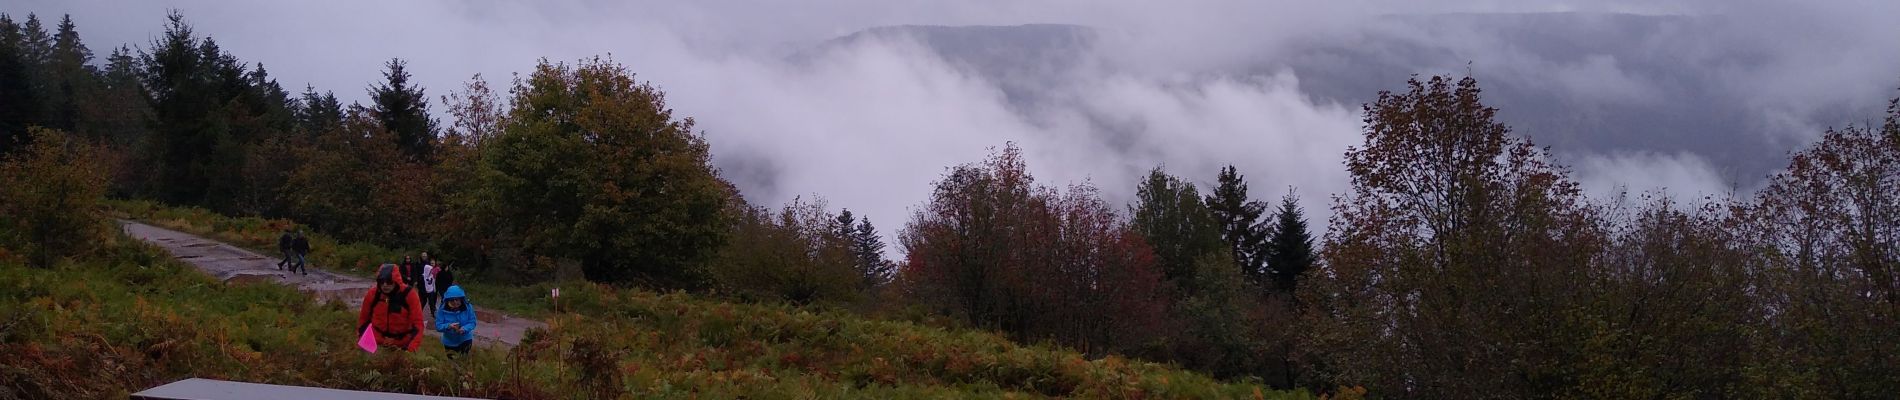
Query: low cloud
[(1678, 175)]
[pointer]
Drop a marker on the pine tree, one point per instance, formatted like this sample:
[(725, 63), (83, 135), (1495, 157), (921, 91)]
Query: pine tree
[(1239, 218), (1290, 251), (318, 112), (194, 88), (270, 102), (36, 45), (842, 225), (868, 247), (68, 50), (19, 108), (404, 110), (36, 52), (120, 112), (71, 78)]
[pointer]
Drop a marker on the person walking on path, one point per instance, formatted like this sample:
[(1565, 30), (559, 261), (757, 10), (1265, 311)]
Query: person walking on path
[(415, 274), (429, 287), (410, 270), (283, 245), (392, 312), (301, 246), (445, 275), (456, 321)]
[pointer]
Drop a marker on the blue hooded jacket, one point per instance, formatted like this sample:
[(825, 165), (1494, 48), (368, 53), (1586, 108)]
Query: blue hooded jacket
[(444, 317)]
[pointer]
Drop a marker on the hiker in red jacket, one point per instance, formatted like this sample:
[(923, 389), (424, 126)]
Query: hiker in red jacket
[(393, 310)]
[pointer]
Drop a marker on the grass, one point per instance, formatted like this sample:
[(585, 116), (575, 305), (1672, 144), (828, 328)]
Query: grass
[(129, 318), (351, 258)]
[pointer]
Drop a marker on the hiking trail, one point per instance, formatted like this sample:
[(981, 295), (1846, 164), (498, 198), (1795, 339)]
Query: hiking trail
[(236, 265)]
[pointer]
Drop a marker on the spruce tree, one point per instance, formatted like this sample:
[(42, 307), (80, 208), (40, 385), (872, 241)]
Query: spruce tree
[(318, 112), (19, 108), (868, 247), (1291, 248), (72, 78), (270, 102), (196, 91), (404, 110), (36, 52), (36, 45), (1240, 227), (120, 112)]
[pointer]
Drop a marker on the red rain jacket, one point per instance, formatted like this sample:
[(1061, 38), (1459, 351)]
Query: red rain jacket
[(393, 329)]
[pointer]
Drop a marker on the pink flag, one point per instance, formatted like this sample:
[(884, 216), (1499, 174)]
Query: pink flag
[(367, 342)]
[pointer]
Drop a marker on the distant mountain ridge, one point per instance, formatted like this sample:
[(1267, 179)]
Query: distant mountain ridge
[(1582, 83)]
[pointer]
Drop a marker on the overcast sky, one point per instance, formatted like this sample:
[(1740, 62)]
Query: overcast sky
[(871, 125)]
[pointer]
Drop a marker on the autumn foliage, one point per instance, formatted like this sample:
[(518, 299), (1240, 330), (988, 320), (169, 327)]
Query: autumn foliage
[(1463, 262), (49, 202), (998, 251)]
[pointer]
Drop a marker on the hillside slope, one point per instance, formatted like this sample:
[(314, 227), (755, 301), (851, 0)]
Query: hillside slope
[(128, 317)]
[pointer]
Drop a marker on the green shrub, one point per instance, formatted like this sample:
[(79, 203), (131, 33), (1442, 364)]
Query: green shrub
[(50, 195)]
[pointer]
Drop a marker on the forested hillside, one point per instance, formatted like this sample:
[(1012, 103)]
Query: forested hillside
[(1463, 262)]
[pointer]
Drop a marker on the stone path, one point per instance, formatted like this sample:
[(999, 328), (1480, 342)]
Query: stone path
[(235, 265)]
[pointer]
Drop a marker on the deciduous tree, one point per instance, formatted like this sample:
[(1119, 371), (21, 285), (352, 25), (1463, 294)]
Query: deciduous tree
[(1170, 215), (998, 251), (51, 198), (593, 167), (1456, 236)]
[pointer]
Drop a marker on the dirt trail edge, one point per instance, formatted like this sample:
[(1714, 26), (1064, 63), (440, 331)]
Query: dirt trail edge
[(236, 265)]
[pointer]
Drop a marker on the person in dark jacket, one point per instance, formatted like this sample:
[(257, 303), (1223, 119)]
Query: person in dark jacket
[(392, 311), (402, 268), (411, 271), (301, 246), (456, 321), (444, 276), (283, 245)]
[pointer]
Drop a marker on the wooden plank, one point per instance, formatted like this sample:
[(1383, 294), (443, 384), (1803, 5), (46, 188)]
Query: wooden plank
[(211, 389)]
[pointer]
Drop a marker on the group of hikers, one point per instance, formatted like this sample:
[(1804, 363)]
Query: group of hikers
[(395, 312), (404, 301), (295, 248)]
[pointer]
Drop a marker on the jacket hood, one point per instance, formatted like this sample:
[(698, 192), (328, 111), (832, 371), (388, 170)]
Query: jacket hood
[(454, 292), (388, 273)]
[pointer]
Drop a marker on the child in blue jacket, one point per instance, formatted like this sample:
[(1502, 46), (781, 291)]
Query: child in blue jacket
[(456, 321)]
